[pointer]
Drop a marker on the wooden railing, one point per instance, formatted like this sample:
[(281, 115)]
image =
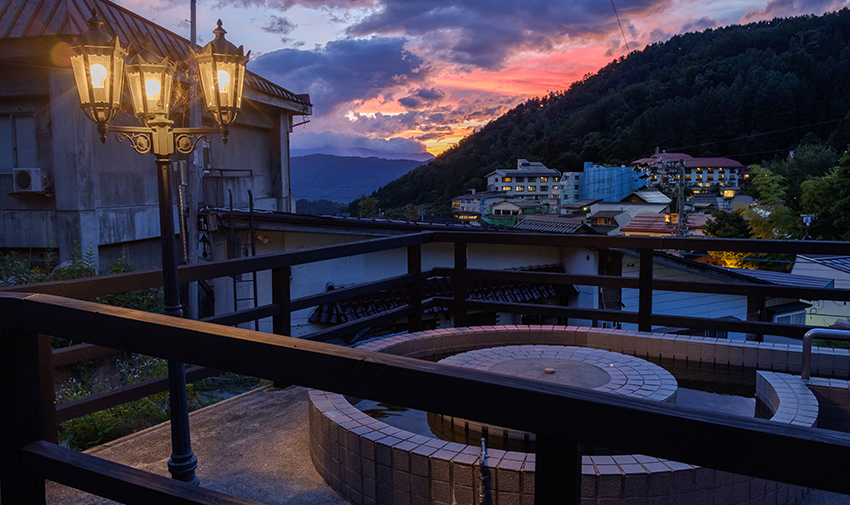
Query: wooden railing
[(282, 305), (748, 446)]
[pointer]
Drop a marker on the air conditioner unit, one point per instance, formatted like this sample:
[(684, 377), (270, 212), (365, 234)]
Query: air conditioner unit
[(27, 180)]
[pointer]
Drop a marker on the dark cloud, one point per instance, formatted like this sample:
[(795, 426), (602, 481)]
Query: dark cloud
[(422, 98), (700, 24), (343, 70), (278, 25), (354, 144), (786, 8), (483, 33)]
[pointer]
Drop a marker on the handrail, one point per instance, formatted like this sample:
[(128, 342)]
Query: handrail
[(807, 345), (749, 446)]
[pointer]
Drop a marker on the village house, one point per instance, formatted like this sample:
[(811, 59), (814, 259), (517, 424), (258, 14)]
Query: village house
[(62, 191)]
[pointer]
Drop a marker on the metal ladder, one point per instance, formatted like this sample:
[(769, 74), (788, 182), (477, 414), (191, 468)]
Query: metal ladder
[(245, 284)]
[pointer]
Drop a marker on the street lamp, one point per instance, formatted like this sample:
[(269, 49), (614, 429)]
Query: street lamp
[(98, 62)]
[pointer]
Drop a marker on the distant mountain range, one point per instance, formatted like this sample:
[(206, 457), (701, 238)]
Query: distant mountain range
[(363, 152), (343, 178)]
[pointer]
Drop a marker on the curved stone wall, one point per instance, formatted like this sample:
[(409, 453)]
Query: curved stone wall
[(370, 462)]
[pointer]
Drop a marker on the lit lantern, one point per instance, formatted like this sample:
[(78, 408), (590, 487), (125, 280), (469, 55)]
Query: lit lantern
[(221, 66), (149, 77), (98, 63)]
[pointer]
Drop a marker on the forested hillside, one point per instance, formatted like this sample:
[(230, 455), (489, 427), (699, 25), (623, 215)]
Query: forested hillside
[(749, 92)]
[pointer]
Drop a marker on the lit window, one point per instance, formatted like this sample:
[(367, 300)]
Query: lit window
[(532, 188), (506, 179), (556, 179), (544, 179), (520, 188), (506, 188)]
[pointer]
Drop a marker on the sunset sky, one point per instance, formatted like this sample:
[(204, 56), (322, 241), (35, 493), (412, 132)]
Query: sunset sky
[(399, 77)]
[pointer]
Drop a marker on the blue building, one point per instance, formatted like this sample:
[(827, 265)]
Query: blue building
[(597, 182)]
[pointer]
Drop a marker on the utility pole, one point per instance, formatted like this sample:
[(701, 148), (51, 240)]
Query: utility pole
[(681, 230)]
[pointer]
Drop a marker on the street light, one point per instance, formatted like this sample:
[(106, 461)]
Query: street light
[(98, 62)]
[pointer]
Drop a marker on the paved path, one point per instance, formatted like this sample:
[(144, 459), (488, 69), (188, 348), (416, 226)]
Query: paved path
[(253, 446)]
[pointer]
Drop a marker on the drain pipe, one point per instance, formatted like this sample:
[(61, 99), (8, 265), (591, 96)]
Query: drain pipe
[(486, 497), (807, 345)]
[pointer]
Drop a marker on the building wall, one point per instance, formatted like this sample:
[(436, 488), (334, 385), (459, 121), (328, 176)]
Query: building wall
[(314, 278), (681, 304), (824, 312), (103, 198)]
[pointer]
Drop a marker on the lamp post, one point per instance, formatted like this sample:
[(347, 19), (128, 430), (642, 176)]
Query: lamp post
[(98, 62)]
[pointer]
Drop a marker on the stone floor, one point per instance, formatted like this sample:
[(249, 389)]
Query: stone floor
[(266, 459)]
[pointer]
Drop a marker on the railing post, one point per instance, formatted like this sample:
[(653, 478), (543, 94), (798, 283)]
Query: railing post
[(281, 295), (414, 268), (557, 471), (460, 284), (645, 291), (23, 416)]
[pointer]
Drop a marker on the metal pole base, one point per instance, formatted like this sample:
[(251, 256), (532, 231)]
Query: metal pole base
[(182, 467)]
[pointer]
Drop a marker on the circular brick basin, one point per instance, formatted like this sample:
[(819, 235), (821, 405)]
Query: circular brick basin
[(370, 462), (582, 367)]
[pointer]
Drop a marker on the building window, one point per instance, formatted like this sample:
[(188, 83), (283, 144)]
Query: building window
[(544, 179), (497, 179), (506, 179), (532, 188), (556, 178), (576, 177), (520, 179), (544, 188), (576, 187), (519, 188), (506, 188), (17, 142), (792, 318)]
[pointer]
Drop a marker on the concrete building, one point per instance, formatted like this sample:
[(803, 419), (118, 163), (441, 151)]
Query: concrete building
[(835, 269), (474, 204), (61, 189), (531, 180), (700, 174), (611, 184)]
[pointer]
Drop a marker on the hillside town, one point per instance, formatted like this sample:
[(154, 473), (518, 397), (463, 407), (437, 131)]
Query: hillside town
[(624, 200)]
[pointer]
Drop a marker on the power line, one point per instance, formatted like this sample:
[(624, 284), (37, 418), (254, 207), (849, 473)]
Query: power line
[(744, 137), (621, 27)]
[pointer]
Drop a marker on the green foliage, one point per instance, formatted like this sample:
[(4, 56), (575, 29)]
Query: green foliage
[(320, 207), (766, 186), (727, 225), (365, 206), (747, 92), (829, 197), (809, 161)]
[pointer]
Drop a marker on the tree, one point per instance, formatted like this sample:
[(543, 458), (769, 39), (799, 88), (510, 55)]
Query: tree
[(806, 162), (727, 225), (829, 197)]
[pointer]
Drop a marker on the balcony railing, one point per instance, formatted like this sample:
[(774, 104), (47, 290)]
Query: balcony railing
[(748, 446)]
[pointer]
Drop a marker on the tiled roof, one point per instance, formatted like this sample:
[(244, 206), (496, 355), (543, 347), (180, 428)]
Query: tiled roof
[(551, 224), (690, 161), (841, 263), (358, 307), (39, 18)]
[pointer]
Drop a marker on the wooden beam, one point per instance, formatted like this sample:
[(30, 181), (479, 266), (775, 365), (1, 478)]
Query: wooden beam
[(115, 481), (748, 446)]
